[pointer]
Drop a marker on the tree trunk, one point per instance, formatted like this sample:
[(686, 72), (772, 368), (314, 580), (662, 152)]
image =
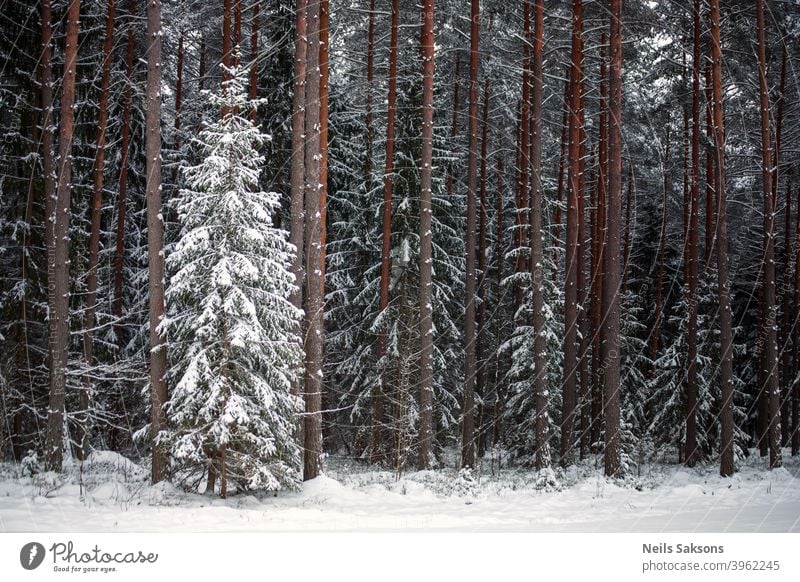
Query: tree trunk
[(425, 253), (796, 385), (611, 339), (468, 420), (94, 236), (571, 278), (691, 453), (58, 251), (46, 96), (313, 247), (155, 237), (542, 429), (655, 333), (523, 161), (560, 178), (499, 372), (378, 406), (600, 244), (297, 173), (454, 124), (768, 302), (787, 372), (726, 336), (710, 154), (122, 198), (480, 348), (626, 253), (370, 83)]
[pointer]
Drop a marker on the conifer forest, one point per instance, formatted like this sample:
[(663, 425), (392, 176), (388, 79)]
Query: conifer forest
[(247, 244)]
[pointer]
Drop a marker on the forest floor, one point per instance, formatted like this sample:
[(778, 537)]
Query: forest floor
[(112, 494)]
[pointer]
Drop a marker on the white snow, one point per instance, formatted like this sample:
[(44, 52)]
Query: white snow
[(116, 496)]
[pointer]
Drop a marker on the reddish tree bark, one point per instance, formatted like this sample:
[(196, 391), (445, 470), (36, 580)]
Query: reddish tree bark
[(58, 251), (560, 179), (297, 172), (710, 154), (571, 278), (611, 340), (370, 83), (155, 237), (94, 233), (626, 253), (655, 333), (499, 392), (426, 237), (122, 197), (454, 124), (597, 273), (468, 420), (796, 385), (480, 348), (726, 336), (768, 289), (313, 248), (691, 454), (378, 412)]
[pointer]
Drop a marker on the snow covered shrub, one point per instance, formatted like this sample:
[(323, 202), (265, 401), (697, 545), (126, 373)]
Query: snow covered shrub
[(234, 335)]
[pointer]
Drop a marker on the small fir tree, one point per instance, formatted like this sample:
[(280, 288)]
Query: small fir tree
[(234, 335)]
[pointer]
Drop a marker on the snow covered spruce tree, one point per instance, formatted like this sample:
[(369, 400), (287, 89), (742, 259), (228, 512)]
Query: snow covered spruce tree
[(234, 335)]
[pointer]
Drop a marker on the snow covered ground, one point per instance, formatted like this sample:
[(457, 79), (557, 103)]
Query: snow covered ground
[(116, 497)]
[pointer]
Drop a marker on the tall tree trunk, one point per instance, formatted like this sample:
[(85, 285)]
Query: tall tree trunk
[(787, 372), (58, 251), (378, 405), (626, 253), (611, 339), (525, 152), (46, 121), (768, 304), (571, 278), (655, 333), (542, 429), (560, 178), (94, 236), (297, 172), (313, 247), (155, 236), (499, 372), (426, 236), (710, 154), (468, 412), (796, 385), (454, 124), (600, 244), (480, 348), (324, 79), (691, 453), (370, 83), (726, 335), (122, 197)]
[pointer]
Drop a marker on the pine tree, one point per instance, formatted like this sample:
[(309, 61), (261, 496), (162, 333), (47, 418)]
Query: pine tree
[(233, 330)]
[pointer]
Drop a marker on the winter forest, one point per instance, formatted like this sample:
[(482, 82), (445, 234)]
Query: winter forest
[(245, 244)]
